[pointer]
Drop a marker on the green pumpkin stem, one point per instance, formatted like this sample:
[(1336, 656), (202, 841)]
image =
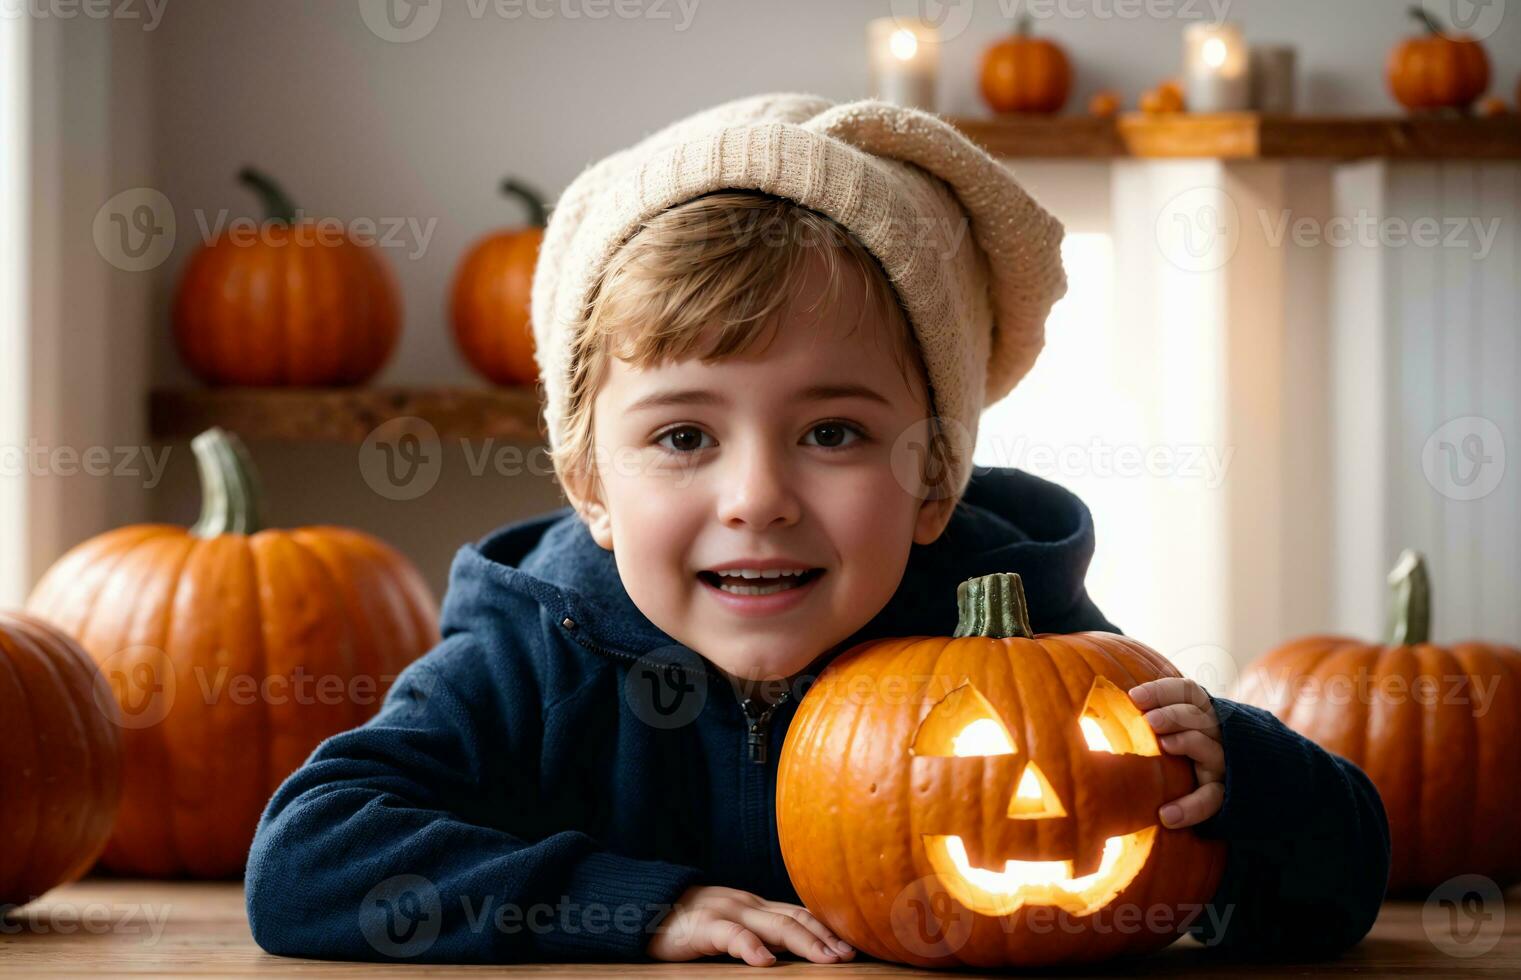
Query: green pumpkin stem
[(538, 215), (229, 490), (277, 206), (1424, 18), (1410, 613), (992, 605)]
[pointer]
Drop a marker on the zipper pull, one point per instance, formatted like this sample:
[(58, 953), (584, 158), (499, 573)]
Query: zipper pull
[(759, 713)]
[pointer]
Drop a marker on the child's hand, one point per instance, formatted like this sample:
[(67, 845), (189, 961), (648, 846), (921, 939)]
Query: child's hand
[(1181, 709), (713, 921)]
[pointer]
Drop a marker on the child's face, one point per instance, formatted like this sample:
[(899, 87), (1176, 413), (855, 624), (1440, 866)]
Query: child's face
[(757, 470)]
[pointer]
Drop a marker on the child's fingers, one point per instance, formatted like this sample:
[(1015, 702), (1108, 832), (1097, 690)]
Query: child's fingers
[(726, 935), (779, 930), (1181, 718), (1196, 807), (1169, 690), (812, 923), (1207, 753)]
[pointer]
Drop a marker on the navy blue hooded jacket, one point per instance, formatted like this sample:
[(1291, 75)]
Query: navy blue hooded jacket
[(549, 779)]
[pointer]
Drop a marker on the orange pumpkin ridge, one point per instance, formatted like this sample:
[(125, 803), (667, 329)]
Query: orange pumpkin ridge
[(941, 799), (233, 649), (489, 304), (1432, 726)]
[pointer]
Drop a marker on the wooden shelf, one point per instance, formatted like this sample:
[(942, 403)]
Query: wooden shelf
[(1247, 136), (345, 415)]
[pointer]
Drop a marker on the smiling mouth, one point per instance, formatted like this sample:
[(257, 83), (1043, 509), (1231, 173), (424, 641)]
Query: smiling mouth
[(740, 585)]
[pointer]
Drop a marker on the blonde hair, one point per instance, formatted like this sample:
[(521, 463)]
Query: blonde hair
[(709, 278)]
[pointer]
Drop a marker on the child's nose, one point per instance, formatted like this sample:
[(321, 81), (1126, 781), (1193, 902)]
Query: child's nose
[(760, 493)]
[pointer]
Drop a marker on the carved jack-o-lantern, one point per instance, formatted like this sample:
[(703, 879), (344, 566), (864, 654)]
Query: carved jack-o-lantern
[(990, 798)]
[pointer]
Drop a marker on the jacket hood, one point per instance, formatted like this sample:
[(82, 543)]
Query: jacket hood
[(1006, 521)]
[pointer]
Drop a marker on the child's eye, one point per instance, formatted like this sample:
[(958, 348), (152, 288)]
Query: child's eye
[(834, 435), (687, 439)]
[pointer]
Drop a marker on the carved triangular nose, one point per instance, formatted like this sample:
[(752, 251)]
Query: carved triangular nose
[(1033, 798)]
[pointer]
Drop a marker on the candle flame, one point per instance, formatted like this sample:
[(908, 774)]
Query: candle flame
[(903, 44), (1214, 52)]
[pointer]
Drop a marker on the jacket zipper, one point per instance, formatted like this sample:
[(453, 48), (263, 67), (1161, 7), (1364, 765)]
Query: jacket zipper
[(758, 713)]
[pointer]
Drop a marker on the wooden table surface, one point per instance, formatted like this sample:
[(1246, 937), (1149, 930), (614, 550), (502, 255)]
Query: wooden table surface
[(115, 927)]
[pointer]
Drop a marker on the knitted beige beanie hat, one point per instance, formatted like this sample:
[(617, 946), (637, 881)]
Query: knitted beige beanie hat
[(975, 261)]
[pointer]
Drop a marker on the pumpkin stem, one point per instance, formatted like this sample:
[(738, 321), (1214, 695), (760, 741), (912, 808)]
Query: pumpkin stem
[(538, 215), (1410, 614), (992, 605), (1424, 18), (277, 207), (229, 491), (1022, 25)]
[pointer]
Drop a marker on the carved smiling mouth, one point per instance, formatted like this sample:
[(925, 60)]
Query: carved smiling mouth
[(1038, 882)]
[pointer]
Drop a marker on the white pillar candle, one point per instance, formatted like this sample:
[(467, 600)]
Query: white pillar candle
[(905, 56), (1215, 75)]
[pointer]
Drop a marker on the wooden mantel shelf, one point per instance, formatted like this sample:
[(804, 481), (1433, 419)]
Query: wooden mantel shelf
[(1247, 136), (345, 415)]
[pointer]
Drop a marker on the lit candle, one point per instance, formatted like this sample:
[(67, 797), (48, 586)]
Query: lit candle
[(1215, 68), (905, 57)]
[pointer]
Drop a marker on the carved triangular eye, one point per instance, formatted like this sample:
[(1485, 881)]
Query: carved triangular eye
[(963, 723), (1111, 722)]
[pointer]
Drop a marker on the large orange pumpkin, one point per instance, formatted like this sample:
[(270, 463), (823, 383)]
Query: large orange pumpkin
[(1437, 70), (293, 302), (60, 759), (989, 799), (490, 305), (1025, 74), (1434, 727), (232, 652)]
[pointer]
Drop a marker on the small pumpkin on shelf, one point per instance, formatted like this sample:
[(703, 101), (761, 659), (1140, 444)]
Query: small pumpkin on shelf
[(291, 301), (1023, 73), (1166, 97), (1494, 107), (907, 754), (61, 755), (1433, 726), (1438, 69), (489, 304), (1104, 103), (232, 651)]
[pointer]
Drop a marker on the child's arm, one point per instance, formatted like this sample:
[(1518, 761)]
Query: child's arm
[(1308, 838), (385, 843)]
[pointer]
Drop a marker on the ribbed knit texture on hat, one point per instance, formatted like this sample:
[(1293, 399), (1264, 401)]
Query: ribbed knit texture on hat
[(975, 261)]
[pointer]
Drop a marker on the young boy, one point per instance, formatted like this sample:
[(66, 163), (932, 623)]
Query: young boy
[(766, 334)]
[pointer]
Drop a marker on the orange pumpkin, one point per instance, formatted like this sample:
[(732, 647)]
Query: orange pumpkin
[(988, 799), (232, 652), (1493, 107), (293, 302), (1437, 70), (1025, 74), (1104, 104), (1434, 727), (490, 306), (60, 752), (1166, 97)]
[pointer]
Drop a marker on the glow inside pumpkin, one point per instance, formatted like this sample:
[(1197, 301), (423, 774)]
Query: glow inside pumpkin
[(964, 724)]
